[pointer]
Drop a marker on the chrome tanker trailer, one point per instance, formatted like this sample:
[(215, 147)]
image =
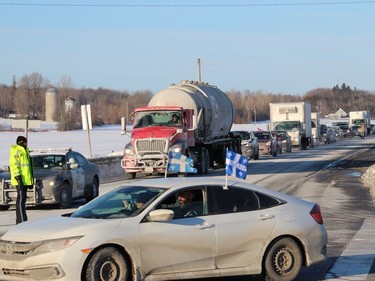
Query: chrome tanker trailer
[(191, 118)]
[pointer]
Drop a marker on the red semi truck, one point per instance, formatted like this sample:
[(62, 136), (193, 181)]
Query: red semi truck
[(190, 118)]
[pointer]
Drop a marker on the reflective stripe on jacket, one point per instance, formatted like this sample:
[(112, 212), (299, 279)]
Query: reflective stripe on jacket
[(20, 163)]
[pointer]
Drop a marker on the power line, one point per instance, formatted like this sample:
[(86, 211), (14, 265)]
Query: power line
[(186, 5)]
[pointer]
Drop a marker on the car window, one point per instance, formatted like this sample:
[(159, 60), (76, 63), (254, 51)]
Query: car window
[(48, 161), (120, 203), (266, 201), (233, 200), (80, 159), (236, 199), (186, 203)]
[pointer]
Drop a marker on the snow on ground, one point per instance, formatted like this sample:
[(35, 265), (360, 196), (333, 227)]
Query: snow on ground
[(105, 141)]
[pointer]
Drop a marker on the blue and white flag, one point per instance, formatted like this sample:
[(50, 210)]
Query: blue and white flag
[(180, 163), (236, 165)]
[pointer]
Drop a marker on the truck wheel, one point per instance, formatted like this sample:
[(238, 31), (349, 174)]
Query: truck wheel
[(312, 143), (220, 156), (130, 176), (207, 169), (65, 196), (202, 162)]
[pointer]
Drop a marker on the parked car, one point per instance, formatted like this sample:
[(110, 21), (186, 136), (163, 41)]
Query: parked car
[(62, 175), (267, 143), (344, 127), (326, 134), (337, 133), (279, 147), (249, 144), (284, 138), (372, 129), (234, 229)]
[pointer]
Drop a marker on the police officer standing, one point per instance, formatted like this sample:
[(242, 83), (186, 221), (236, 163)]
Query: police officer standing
[(21, 171)]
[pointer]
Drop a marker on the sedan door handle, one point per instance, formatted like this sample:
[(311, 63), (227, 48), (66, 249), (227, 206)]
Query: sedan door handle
[(205, 226), (265, 217)]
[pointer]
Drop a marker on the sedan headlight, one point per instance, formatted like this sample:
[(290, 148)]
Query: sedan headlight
[(54, 183), (55, 244)]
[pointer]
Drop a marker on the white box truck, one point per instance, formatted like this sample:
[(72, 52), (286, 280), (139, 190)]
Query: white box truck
[(294, 117), (315, 127), (356, 118)]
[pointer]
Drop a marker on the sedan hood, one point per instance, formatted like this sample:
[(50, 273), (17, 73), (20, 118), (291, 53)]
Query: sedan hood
[(38, 173), (42, 174), (56, 227)]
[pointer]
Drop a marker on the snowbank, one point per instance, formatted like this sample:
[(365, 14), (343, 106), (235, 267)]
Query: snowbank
[(368, 180)]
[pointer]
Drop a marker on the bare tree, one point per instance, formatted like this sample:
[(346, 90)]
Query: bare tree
[(29, 101), (67, 113)]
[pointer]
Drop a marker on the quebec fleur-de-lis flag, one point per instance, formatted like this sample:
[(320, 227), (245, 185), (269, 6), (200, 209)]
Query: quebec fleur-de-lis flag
[(236, 165), (180, 163)]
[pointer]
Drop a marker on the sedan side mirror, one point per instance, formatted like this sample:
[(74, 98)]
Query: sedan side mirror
[(73, 166), (160, 215)]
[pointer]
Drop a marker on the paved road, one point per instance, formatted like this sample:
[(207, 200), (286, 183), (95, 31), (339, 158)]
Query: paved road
[(318, 175)]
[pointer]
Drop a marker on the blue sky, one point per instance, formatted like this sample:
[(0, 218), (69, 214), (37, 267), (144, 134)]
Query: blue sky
[(287, 46)]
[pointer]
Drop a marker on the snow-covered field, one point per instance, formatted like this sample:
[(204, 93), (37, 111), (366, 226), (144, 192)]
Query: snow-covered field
[(105, 140)]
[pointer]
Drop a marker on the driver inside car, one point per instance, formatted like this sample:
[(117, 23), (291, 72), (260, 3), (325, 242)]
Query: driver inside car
[(188, 206)]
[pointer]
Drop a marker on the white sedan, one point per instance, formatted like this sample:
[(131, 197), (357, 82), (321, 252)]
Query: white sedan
[(169, 229)]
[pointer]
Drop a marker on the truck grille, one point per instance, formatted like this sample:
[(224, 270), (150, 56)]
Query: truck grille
[(158, 145)]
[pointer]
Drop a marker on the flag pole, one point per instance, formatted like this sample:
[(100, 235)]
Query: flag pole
[(226, 175), (166, 167)]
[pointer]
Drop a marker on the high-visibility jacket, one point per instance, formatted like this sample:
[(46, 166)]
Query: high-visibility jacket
[(361, 128), (20, 164)]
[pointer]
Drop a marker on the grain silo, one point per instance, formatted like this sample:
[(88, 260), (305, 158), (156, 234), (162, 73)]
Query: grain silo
[(51, 104)]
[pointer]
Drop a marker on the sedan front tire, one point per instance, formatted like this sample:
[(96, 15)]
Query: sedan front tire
[(107, 264)]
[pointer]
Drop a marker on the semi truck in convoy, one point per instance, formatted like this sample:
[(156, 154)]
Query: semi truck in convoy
[(294, 117), (315, 127), (190, 118), (356, 118)]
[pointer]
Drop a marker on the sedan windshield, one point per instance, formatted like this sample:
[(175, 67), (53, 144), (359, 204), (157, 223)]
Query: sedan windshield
[(119, 203), (48, 161)]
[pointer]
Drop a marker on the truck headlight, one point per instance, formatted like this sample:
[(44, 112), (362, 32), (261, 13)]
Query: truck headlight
[(129, 151), (177, 149)]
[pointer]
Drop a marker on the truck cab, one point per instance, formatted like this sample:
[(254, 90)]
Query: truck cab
[(156, 131)]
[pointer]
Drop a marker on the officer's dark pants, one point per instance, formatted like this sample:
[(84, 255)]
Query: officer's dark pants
[(20, 204)]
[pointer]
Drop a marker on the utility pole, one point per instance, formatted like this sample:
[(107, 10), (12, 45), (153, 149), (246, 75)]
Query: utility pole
[(255, 115), (199, 69)]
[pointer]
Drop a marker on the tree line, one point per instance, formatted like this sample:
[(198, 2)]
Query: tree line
[(25, 97)]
